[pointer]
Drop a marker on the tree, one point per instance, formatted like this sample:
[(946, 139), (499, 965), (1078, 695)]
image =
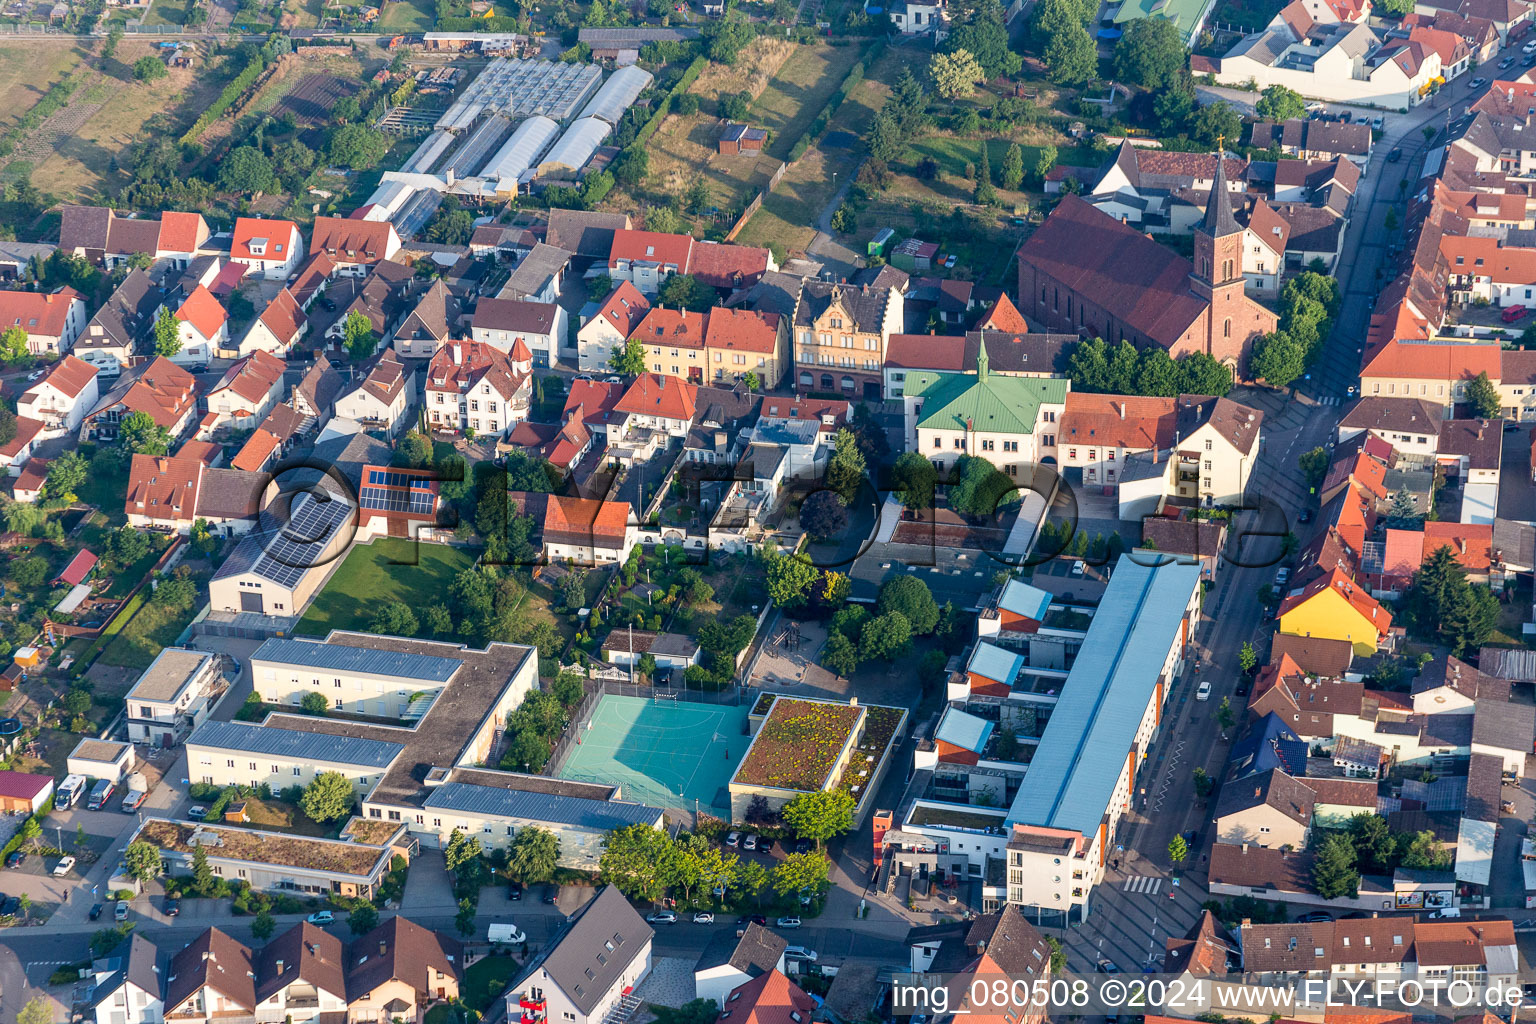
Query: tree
[(1150, 54), (629, 359), (141, 860), (1204, 784), (141, 435), (452, 226), (464, 920), (358, 336), (356, 146), (264, 925), (750, 879), (394, 618), (1484, 397), (1013, 169), (789, 580), (462, 850), (327, 798), (751, 381), (314, 704), (985, 193), (801, 872), (1403, 506), (1070, 56), (1277, 359), (534, 854), (725, 37), (149, 69), (1441, 605), (914, 480), (633, 859), (66, 474), (1247, 657), (36, 1011), (203, 879), (845, 470), (911, 597), (820, 816), (1313, 465), (167, 333), (886, 637), (823, 516), (954, 74), (1224, 716), (1215, 121), (246, 169), (1333, 872), (840, 654), (978, 488), (1371, 839), (1178, 849), (684, 291), (1277, 103), (981, 32), (13, 344), (1421, 851)]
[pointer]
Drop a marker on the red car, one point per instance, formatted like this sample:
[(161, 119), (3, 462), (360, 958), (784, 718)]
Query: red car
[(1514, 313)]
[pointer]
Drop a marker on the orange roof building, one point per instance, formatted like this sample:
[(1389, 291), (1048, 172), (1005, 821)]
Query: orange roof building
[(742, 341), (588, 531), (1333, 606), (204, 324), (659, 402)]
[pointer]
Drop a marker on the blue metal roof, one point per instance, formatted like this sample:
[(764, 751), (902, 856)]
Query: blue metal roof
[(1094, 723), (295, 743), (964, 730), (993, 662), (1265, 744), (363, 660), (551, 807), (1022, 599)]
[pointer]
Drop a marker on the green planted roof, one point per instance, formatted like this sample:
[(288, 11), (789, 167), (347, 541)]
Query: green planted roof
[(1007, 405)]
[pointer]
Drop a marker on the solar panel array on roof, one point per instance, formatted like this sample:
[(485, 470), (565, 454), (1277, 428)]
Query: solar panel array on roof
[(391, 491), (284, 551), (362, 660)]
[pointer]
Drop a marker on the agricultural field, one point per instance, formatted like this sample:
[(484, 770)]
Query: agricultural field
[(27, 69), (114, 111), (312, 99)]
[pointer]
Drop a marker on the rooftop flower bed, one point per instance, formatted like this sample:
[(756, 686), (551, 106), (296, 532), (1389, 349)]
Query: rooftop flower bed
[(798, 745), (265, 847), (764, 702), (879, 726), (375, 833)]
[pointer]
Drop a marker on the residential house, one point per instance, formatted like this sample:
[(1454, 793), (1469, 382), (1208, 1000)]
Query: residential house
[(1436, 371), (1001, 947), (729, 267), (478, 387), (314, 396), (103, 236), (399, 969), (381, 399), (28, 485), (173, 493), (311, 278), (354, 246), (17, 452), (540, 326), (396, 501), (728, 961), (587, 531), (739, 342), (430, 325), (1315, 139), (674, 342), (381, 297), (1009, 354), (590, 967), (1410, 425), (560, 444), (173, 696), (62, 398), (1448, 685), (128, 987), (670, 650), (247, 392), (1335, 607), (213, 976), (160, 389), (602, 333), (720, 418), (278, 329), (203, 329), (840, 336), (663, 404), (115, 334), (271, 248), (52, 320), (539, 275), (592, 403), (768, 999), (647, 259), (1270, 809), (585, 233)]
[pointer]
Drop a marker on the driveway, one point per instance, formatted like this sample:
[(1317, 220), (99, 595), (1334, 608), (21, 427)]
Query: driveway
[(428, 889)]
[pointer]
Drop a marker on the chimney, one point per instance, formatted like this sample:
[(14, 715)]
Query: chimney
[(458, 355), (1121, 406)]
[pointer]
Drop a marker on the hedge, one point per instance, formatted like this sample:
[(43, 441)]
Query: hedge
[(40, 817), (226, 99), (665, 106), (824, 119), (119, 622)]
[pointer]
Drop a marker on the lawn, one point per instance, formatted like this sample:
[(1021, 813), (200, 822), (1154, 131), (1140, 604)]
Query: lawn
[(279, 816), (389, 569), (485, 979), (166, 12), (106, 491), (27, 70), (407, 16), (797, 93), (153, 628)]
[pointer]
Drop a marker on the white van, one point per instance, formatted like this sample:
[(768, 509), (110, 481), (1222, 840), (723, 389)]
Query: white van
[(1529, 48), (1444, 913), (505, 933)]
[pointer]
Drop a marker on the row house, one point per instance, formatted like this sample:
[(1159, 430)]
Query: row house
[(648, 259), (476, 388), (62, 398), (107, 238), (272, 249), (381, 297), (52, 321), (173, 493), (502, 323), (381, 399), (163, 391), (840, 337), (354, 246), (608, 326)]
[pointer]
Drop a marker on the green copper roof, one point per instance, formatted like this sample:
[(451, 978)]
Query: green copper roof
[(990, 402)]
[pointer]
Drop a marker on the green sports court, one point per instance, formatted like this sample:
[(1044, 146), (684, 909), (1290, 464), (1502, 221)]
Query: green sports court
[(667, 753)]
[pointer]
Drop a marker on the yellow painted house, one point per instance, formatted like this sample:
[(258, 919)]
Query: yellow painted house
[(1334, 607)]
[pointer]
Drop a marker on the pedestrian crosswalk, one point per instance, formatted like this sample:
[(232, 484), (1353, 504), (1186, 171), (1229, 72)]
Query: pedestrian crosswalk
[(1143, 883)]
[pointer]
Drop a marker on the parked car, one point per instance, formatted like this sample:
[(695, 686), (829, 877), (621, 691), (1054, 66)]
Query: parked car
[(1108, 966), (734, 839), (662, 917), (802, 845), (1282, 576), (1204, 691), (1306, 516), (1529, 60), (514, 890), (172, 907), (1378, 123), (16, 859), (750, 843), (120, 912), (63, 867), (800, 953), (1513, 313), (321, 918), (703, 917), (96, 909), (1315, 917), (1445, 913), (1507, 62), (1477, 83), (789, 922), (746, 919), (1394, 154), (197, 812), (552, 895), (10, 905)]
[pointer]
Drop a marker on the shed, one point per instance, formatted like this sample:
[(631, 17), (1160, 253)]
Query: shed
[(78, 569), (740, 138), (28, 657), (24, 793), (101, 759), (880, 241)]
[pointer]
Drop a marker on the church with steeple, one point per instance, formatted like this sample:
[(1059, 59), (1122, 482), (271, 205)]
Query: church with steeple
[(1084, 271)]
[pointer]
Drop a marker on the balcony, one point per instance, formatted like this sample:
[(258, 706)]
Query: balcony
[(532, 1002)]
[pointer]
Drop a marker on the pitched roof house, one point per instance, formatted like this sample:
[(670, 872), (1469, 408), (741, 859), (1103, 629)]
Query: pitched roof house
[(354, 245), (160, 389), (62, 398), (591, 965), (271, 248), (247, 392), (52, 320)]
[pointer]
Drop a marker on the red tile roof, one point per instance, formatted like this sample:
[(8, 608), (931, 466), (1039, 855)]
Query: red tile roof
[(27, 430), (351, 241), (594, 398), (203, 312), (1124, 421), (69, 376), (679, 328), (283, 317), (205, 452), (476, 361), (651, 247), (280, 236), (253, 377), (1426, 360), (182, 232), (1471, 543), (728, 266), (78, 568), (1358, 597), (23, 785), (926, 352), (654, 395), (254, 453), (163, 487), (624, 308), (767, 999), (39, 313), (164, 391), (1004, 316), (33, 474), (742, 330)]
